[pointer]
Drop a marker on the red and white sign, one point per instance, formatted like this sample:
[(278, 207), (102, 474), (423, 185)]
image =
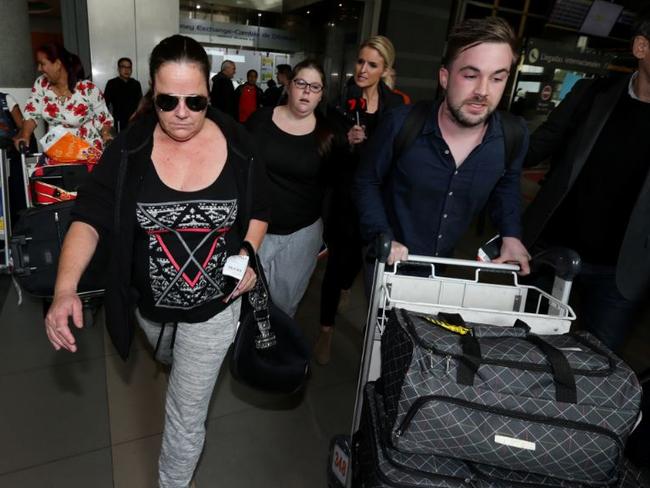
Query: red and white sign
[(340, 464)]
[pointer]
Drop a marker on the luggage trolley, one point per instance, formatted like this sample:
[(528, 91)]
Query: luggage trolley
[(477, 300), (39, 201), (5, 218)]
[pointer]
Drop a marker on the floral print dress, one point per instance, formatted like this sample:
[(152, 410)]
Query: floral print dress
[(84, 112)]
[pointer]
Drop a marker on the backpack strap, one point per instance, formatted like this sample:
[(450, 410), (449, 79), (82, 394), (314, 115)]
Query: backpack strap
[(412, 127), (513, 136)]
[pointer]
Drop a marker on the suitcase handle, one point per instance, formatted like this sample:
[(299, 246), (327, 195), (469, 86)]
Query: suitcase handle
[(19, 259), (563, 377)]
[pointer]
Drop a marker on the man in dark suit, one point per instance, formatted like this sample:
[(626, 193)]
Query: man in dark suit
[(222, 95), (596, 198), (123, 94), (277, 95)]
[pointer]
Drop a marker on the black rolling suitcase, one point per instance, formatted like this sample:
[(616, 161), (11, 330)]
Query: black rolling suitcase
[(35, 248)]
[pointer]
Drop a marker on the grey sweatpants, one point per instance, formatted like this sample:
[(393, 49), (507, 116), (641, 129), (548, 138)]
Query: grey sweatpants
[(199, 350), (289, 261)]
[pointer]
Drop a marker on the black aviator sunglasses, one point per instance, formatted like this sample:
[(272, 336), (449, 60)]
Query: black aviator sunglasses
[(168, 102)]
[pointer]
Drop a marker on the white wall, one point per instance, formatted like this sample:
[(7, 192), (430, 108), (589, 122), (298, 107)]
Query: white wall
[(128, 28), (245, 60)]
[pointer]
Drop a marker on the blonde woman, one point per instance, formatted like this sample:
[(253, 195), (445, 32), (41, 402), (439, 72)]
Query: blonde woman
[(365, 99)]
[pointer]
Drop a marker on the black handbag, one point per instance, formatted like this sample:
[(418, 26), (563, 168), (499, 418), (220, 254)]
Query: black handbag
[(269, 352)]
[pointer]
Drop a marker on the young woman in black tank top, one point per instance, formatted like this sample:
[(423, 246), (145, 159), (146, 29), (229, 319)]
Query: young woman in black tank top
[(294, 142)]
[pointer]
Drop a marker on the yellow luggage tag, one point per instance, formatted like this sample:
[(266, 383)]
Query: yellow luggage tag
[(457, 329)]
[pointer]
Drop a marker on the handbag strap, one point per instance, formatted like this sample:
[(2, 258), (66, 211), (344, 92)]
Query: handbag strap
[(255, 263), (259, 299)]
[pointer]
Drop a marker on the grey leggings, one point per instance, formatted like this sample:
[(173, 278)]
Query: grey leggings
[(289, 261), (196, 358)]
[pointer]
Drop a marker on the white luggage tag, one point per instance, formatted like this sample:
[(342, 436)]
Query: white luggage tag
[(235, 266)]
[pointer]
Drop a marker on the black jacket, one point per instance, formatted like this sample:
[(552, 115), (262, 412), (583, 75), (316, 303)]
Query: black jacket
[(122, 97), (568, 136), (387, 98), (222, 95), (341, 221), (108, 202)]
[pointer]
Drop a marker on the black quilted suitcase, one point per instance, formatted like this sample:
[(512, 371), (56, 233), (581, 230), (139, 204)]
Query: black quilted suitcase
[(36, 246), (377, 464), (559, 406)]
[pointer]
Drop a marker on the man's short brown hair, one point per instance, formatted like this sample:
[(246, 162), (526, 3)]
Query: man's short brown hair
[(642, 24), (472, 32)]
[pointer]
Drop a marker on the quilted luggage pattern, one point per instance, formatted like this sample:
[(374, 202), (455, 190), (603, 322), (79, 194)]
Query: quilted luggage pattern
[(381, 465), (508, 415)]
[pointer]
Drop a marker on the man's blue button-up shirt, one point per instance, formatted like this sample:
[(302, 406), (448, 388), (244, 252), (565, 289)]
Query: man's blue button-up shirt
[(424, 200)]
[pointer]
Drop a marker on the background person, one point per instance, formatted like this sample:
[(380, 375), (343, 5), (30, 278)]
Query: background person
[(278, 95), (11, 121), (364, 102), (596, 197), (249, 96), (295, 141), (181, 173), (390, 80), (123, 94), (61, 96), (222, 95)]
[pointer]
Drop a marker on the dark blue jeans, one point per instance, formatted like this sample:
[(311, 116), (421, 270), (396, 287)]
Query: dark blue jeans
[(600, 307)]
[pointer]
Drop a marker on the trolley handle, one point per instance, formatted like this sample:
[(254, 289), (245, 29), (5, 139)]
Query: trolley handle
[(381, 248), (461, 262), (23, 148), (565, 262)]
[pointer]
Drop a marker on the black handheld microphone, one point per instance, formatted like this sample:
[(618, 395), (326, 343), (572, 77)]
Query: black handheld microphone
[(357, 105)]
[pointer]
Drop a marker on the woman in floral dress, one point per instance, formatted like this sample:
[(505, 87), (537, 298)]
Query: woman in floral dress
[(61, 96)]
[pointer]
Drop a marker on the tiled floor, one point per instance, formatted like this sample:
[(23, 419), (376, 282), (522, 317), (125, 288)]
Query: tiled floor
[(90, 420)]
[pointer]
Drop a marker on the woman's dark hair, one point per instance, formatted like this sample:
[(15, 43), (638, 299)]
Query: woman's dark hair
[(173, 49), (323, 132), (54, 51), (179, 49), (283, 69)]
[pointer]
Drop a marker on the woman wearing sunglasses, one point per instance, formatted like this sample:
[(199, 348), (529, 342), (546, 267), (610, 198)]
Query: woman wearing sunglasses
[(171, 199), (295, 141)]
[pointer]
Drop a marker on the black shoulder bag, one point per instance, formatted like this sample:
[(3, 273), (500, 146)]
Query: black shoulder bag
[(269, 352)]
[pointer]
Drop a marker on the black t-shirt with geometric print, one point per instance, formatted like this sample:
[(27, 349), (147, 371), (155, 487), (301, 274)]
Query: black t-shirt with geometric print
[(182, 242)]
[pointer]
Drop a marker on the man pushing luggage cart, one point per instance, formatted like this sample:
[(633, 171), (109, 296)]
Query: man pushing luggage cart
[(478, 379)]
